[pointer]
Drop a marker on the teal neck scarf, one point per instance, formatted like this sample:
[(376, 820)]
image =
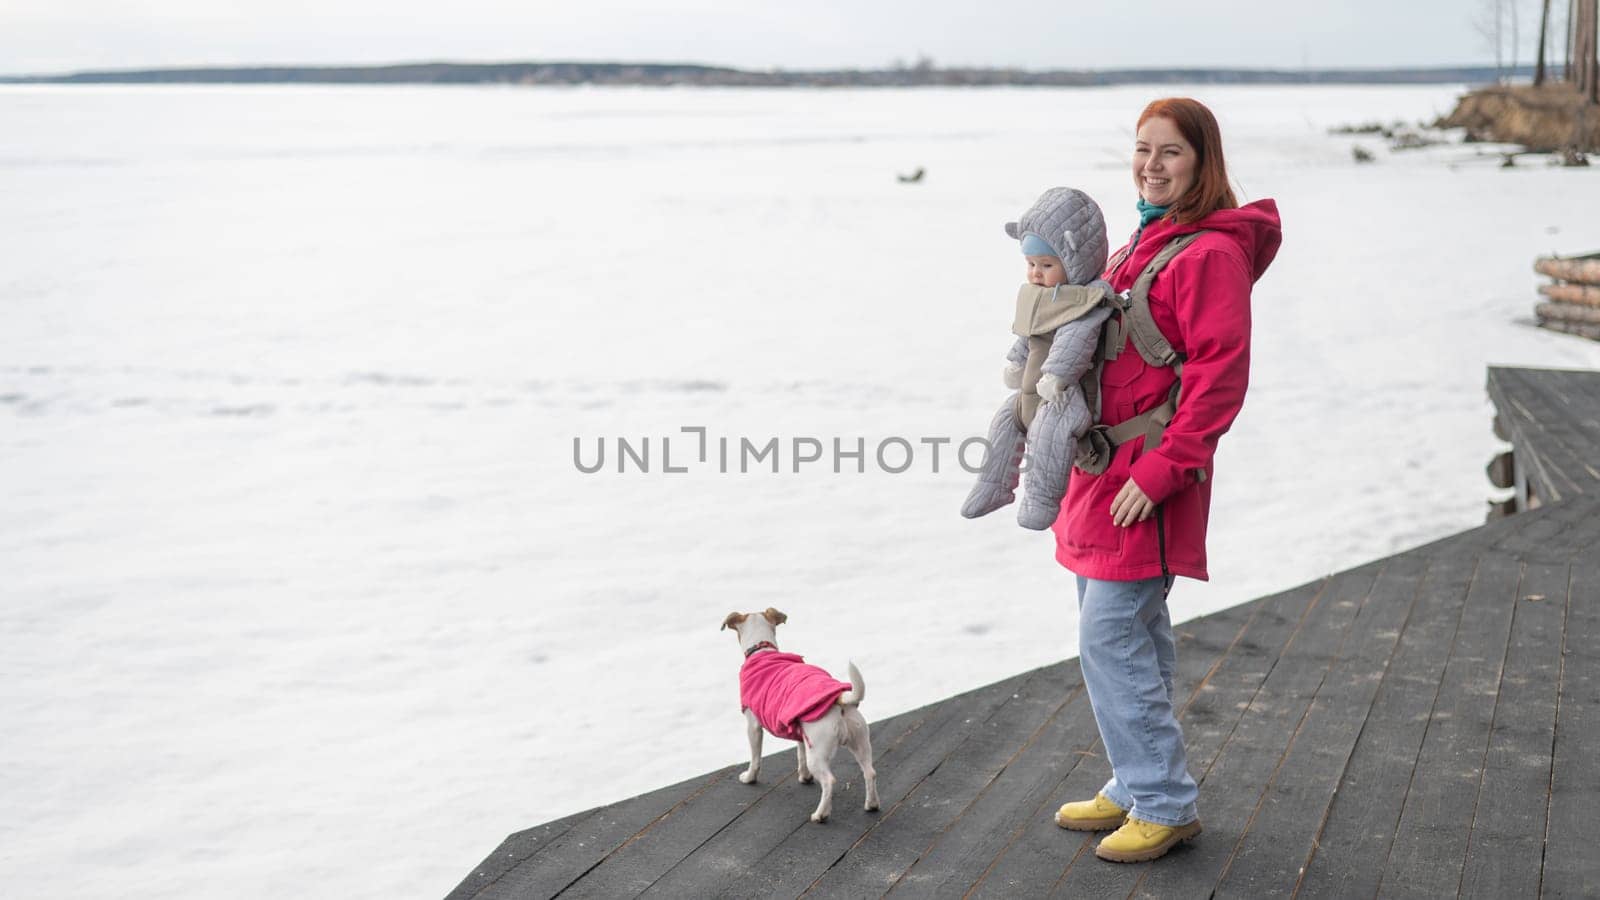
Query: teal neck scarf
[(1149, 212)]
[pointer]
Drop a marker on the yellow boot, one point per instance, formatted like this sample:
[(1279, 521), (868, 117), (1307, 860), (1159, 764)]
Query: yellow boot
[(1099, 814), (1137, 841)]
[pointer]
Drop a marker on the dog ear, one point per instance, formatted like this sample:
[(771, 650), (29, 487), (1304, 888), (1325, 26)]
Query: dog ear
[(775, 617), (733, 620)]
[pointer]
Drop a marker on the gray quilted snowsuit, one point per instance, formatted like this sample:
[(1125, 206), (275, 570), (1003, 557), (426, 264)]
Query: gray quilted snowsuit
[(1057, 332)]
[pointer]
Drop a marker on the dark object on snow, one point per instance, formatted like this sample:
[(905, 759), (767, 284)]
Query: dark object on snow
[(1362, 154), (913, 178), (1412, 140)]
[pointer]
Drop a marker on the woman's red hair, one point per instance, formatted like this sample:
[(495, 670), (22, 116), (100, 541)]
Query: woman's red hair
[(1210, 191)]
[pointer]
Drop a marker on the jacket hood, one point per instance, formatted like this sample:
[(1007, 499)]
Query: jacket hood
[(1254, 228)]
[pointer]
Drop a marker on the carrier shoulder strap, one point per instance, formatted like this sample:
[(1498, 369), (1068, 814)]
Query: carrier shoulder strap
[(1134, 323)]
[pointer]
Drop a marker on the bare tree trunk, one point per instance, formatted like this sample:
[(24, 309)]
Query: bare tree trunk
[(1511, 8), (1588, 65), (1567, 71), (1490, 24), (1497, 35), (1544, 24), (1588, 69)]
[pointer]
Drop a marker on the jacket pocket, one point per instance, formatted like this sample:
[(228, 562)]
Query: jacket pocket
[(1088, 521)]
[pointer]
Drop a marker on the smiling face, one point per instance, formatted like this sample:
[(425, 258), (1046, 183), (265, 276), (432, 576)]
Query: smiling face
[(1164, 163), (1046, 271)]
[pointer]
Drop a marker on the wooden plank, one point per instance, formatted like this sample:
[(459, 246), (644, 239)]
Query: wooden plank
[(1506, 844), (1555, 425), (1570, 866), (791, 866), (1232, 786), (1529, 414), (1430, 842), (1280, 836), (565, 859), (1036, 858), (960, 852), (750, 832), (1577, 394), (1020, 796), (513, 851), (1552, 533), (1546, 423), (891, 846), (1360, 822), (534, 874), (731, 856)]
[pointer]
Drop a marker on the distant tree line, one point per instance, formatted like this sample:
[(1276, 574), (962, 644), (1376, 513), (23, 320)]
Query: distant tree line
[(924, 74)]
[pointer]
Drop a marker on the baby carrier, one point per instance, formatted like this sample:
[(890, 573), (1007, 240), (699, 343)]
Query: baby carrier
[(1131, 320)]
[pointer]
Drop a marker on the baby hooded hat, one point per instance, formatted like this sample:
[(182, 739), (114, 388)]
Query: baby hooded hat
[(1072, 226)]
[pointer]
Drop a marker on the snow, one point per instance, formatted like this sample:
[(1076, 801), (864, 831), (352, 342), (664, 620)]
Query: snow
[(304, 589)]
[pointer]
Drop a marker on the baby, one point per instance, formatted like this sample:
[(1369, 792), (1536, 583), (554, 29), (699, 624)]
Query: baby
[(1058, 319)]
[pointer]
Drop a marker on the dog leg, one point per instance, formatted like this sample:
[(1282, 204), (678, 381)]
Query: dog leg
[(804, 772), (858, 741), (820, 767), (752, 729), (825, 735)]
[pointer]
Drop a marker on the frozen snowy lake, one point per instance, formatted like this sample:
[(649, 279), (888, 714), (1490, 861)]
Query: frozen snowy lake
[(303, 588)]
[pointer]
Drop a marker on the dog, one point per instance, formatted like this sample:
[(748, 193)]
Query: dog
[(779, 692)]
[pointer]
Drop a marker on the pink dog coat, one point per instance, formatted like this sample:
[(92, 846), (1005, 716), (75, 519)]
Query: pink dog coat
[(783, 691)]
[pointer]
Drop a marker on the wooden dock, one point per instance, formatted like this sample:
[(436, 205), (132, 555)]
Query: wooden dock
[(1421, 726), (1552, 419)]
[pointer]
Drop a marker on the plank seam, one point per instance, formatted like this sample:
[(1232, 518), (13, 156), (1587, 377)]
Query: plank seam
[(1316, 601), (899, 804), (1037, 810), (1266, 676), (1344, 767), (636, 835), (1494, 716), (1555, 729), (1454, 637), (1338, 656), (476, 892), (790, 773), (1032, 738)]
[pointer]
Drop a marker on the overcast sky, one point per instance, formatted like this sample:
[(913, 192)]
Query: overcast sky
[(49, 36)]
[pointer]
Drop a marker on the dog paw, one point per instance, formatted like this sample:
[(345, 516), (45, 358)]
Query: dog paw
[(805, 778), (747, 777), (872, 806), (819, 818)]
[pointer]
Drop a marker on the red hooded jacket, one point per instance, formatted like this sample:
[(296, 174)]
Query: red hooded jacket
[(1201, 303)]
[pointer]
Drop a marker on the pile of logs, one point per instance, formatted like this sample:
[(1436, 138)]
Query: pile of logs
[(1572, 302)]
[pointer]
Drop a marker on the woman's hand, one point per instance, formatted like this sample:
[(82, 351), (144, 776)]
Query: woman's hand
[(1132, 505)]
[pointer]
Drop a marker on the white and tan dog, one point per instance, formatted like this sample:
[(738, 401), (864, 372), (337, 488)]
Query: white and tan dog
[(780, 693)]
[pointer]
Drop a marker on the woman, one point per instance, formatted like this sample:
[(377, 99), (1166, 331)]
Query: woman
[(1128, 532)]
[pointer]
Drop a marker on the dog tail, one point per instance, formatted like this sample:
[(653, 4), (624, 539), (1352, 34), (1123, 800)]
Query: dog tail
[(858, 689)]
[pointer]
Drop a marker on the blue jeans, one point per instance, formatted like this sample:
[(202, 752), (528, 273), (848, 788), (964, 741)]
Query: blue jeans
[(1126, 650)]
